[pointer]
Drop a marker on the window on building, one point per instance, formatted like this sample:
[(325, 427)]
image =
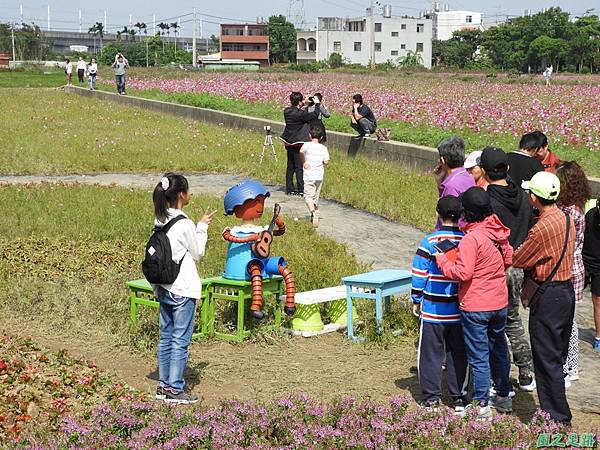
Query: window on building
[(377, 46), (403, 26), (394, 34), (233, 31), (469, 19), (356, 26), (233, 47), (420, 28), (420, 47), (402, 46), (394, 52), (357, 46), (337, 46), (377, 27)]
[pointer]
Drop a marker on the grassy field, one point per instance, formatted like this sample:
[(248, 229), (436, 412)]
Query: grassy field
[(67, 247), (32, 78), (56, 133)]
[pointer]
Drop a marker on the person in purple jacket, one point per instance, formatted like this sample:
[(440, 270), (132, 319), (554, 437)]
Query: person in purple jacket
[(450, 175)]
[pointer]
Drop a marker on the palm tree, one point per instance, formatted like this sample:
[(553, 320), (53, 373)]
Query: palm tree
[(163, 26), (175, 27), (142, 26), (97, 30)]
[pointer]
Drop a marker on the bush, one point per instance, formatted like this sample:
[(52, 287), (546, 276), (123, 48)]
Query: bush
[(314, 66), (335, 60)]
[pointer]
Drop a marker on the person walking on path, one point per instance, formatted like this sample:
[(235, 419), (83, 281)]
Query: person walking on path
[(314, 157), (548, 74), (69, 72), (435, 302), (120, 65), (81, 66), (511, 204), (591, 262), (295, 134), (450, 174), (324, 113), (177, 300), (575, 191), (92, 71), (362, 118), (483, 255), (522, 165), (547, 254)]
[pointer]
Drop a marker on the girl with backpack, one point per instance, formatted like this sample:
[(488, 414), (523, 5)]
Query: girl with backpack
[(177, 299)]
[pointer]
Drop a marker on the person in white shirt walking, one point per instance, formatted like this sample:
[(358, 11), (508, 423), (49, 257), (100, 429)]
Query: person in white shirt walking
[(81, 66), (69, 72), (92, 70), (178, 300), (314, 157)]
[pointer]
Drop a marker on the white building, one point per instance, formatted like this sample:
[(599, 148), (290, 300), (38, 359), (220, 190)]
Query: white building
[(351, 37), (447, 22)]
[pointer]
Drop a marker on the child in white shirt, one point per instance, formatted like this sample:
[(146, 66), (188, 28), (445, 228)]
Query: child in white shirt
[(314, 157), (92, 70)]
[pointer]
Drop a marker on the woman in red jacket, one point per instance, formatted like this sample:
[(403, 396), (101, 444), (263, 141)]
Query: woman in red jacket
[(483, 255)]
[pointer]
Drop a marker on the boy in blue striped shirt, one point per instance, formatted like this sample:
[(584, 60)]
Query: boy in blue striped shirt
[(435, 301)]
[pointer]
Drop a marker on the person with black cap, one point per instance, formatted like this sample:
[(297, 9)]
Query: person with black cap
[(511, 204), (548, 254), (435, 302), (483, 255)]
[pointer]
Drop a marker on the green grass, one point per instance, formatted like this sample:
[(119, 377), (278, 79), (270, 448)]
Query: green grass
[(31, 78), (54, 133), (399, 131), (66, 252)]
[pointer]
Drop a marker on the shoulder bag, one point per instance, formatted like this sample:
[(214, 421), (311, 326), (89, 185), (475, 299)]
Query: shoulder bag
[(532, 290)]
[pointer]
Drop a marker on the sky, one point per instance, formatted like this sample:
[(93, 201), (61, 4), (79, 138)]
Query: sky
[(64, 14)]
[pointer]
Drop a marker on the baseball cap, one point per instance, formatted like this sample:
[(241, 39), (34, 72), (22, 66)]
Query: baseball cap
[(494, 160), (473, 159), (545, 185), (449, 206), (476, 199)]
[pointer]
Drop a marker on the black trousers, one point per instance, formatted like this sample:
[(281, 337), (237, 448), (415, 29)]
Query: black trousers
[(294, 166), (80, 74), (439, 341), (550, 323)]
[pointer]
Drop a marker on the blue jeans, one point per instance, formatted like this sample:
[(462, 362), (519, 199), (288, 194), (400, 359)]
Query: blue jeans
[(120, 80), (487, 352), (176, 328)]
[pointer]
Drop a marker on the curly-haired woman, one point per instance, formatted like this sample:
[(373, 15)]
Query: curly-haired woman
[(574, 193)]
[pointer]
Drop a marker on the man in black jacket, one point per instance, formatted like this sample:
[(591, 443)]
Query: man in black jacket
[(511, 204), (294, 135)]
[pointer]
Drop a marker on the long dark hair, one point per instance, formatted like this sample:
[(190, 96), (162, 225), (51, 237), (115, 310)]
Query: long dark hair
[(167, 198)]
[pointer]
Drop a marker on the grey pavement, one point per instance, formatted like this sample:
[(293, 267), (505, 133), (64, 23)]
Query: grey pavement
[(382, 243)]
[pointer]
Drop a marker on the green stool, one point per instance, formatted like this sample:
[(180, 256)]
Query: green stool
[(337, 312), (141, 294), (240, 291), (307, 318)]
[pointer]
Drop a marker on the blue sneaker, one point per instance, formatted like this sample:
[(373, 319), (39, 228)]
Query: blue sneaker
[(596, 345)]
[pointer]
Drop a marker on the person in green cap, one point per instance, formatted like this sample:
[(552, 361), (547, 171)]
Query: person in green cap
[(547, 256)]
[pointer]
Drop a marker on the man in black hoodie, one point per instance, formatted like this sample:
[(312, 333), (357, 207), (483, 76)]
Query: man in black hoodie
[(511, 204)]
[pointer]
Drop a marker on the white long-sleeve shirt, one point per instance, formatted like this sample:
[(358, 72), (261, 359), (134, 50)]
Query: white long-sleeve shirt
[(188, 241), (81, 65)]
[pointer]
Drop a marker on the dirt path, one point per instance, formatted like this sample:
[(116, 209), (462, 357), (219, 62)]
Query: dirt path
[(324, 367)]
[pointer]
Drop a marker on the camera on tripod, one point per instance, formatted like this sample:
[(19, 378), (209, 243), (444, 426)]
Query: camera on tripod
[(267, 129)]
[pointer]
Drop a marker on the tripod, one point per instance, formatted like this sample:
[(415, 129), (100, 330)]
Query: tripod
[(268, 143)]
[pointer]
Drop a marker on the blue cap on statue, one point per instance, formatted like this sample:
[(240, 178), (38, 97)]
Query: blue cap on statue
[(238, 194)]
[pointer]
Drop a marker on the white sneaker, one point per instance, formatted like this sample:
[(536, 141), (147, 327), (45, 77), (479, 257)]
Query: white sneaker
[(493, 392)]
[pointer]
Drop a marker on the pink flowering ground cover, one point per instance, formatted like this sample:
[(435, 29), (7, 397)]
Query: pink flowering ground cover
[(569, 114)]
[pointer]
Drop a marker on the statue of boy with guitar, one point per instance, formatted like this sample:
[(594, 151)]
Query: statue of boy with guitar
[(250, 244)]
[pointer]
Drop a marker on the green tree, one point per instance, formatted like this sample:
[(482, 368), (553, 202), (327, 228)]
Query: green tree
[(97, 30), (335, 60), (282, 40), (544, 50), (458, 51), (30, 43), (412, 59)]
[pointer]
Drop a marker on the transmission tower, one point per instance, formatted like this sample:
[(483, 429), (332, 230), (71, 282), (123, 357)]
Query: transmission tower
[(295, 13)]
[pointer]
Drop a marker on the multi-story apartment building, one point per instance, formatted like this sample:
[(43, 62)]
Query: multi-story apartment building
[(248, 42)]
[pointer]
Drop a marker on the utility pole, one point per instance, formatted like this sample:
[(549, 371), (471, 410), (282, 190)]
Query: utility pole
[(194, 59), (12, 29), (80, 20), (153, 24), (130, 21), (372, 34), (105, 24), (21, 12), (48, 16)]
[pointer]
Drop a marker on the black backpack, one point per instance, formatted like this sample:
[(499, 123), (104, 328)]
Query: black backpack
[(158, 265)]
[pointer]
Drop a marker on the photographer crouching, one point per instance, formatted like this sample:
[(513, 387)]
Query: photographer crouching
[(294, 136)]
